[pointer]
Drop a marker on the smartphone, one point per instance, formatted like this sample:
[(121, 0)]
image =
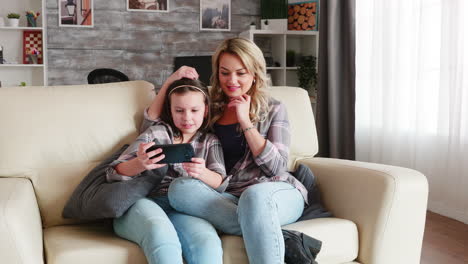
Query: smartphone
[(175, 153)]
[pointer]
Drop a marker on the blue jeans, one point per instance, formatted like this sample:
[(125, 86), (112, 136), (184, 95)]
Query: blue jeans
[(164, 234), (257, 215)]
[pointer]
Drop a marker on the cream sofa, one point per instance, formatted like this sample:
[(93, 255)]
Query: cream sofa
[(51, 137)]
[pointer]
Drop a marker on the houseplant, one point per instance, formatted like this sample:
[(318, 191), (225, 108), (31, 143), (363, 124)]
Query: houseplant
[(307, 74), (290, 58), (13, 19)]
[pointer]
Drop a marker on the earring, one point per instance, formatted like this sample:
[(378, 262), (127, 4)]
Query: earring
[(253, 80)]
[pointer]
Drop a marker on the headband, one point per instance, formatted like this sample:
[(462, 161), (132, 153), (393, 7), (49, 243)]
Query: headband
[(186, 85)]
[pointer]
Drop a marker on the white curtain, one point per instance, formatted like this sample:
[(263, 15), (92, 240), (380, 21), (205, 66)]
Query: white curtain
[(412, 93)]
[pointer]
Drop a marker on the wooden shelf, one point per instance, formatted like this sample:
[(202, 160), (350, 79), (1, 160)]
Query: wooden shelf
[(14, 71), (21, 65), (275, 46), (21, 28)]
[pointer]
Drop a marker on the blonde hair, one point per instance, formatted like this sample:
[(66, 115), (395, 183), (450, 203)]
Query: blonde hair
[(252, 58)]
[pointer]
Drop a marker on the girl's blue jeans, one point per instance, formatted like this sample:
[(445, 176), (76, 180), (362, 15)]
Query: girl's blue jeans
[(257, 214), (165, 235)]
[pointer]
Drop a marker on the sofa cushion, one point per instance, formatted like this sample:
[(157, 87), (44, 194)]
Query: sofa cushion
[(91, 243), (339, 241), (96, 243)]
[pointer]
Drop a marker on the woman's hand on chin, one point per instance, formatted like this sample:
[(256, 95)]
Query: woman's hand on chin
[(242, 106)]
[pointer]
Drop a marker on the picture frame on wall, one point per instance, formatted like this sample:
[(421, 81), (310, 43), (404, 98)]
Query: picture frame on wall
[(148, 5), (76, 13), (215, 15)]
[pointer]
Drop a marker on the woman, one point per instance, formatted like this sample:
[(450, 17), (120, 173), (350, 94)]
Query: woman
[(254, 132)]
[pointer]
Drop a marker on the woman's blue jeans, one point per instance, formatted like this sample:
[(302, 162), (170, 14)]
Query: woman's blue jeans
[(257, 215), (165, 234)]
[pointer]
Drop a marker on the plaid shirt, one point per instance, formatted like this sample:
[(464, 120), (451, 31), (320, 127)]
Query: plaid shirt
[(205, 145), (271, 164)]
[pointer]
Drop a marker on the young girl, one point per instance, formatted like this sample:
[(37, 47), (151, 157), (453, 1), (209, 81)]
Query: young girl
[(164, 234)]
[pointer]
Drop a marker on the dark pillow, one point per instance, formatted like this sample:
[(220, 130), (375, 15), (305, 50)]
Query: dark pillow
[(95, 198), (314, 209)]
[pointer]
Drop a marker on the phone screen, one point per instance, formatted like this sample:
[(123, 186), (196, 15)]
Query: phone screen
[(175, 153)]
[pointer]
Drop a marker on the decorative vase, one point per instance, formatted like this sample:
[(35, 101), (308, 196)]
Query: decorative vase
[(13, 22), (264, 25), (31, 22), (32, 59)]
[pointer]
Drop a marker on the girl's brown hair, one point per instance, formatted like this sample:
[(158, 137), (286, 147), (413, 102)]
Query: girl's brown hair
[(183, 86)]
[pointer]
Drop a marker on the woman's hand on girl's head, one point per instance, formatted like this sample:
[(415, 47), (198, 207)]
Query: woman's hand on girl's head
[(145, 158), (155, 108), (196, 168), (242, 106), (183, 72)]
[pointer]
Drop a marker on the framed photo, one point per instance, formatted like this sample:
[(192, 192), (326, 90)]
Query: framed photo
[(215, 15), (148, 5), (76, 13)]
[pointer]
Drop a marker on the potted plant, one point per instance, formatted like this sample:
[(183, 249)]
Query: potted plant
[(265, 24), (253, 26), (290, 58), (307, 74), (13, 19)]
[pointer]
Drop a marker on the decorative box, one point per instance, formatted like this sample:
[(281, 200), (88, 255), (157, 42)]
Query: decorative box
[(303, 15)]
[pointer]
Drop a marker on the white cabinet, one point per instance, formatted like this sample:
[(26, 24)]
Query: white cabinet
[(275, 46), (14, 71)]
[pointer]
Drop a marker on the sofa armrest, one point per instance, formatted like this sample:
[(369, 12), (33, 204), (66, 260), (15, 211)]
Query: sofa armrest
[(387, 203), (20, 222)]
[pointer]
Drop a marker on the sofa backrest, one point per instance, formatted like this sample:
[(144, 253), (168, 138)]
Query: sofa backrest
[(55, 135), (304, 143)]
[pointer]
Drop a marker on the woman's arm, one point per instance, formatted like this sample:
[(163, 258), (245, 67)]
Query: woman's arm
[(254, 139), (270, 153), (273, 160)]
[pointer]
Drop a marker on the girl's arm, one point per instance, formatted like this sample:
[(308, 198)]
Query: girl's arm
[(154, 111), (142, 162), (210, 170), (134, 159), (198, 170)]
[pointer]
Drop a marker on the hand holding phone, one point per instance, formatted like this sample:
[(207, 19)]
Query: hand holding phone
[(175, 153)]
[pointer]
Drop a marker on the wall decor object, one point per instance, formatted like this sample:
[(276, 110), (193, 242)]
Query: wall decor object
[(148, 5), (215, 15), (303, 15), (32, 45), (76, 13), (274, 9)]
